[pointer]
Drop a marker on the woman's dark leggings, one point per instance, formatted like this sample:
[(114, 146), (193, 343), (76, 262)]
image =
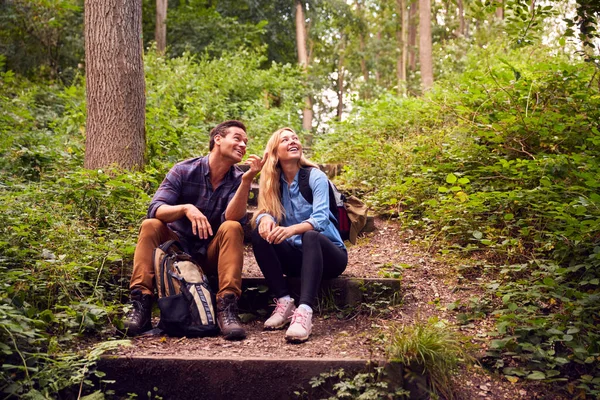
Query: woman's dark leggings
[(319, 259)]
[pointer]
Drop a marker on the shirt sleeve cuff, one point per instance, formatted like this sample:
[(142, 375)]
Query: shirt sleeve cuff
[(260, 216), (314, 224), (152, 209)]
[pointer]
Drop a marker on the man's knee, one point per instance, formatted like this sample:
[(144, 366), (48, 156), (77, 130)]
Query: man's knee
[(232, 228), (231, 232), (151, 225)]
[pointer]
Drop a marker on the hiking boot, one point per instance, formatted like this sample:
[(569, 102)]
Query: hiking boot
[(138, 318), (301, 326), (281, 315), (228, 319)]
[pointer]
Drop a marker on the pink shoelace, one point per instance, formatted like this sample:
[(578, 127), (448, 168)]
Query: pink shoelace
[(280, 308), (300, 318)]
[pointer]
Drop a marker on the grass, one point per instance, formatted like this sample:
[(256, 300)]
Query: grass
[(430, 348)]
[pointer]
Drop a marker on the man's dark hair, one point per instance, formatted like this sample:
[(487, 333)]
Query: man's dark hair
[(221, 130)]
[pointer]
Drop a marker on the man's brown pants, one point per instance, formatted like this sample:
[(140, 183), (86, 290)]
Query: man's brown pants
[(224, 256)]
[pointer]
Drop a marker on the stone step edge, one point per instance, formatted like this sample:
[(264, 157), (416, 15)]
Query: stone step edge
[(342, 291), (198, 377)]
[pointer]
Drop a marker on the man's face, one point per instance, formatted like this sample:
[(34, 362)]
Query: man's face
[(232, 145)]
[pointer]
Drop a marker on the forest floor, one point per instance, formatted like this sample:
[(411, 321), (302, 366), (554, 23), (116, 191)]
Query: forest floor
[(429, 284)]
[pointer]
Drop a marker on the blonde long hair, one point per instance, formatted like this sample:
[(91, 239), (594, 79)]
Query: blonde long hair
[(269, 195)]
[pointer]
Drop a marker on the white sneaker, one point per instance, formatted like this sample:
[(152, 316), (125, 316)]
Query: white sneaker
[(281, 315), (301, 326)]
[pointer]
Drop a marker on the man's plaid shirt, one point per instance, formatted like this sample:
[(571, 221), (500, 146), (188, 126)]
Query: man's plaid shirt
[(188, 182)]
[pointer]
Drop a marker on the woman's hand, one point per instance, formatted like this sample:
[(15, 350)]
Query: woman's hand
[(279, 234), (265, 227), (200, 224)]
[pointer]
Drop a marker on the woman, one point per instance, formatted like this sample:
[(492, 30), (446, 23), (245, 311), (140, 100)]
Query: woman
[(292, 236)]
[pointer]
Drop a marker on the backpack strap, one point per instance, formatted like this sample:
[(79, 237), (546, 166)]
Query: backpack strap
[(306, 192), (303, 184), (166, 246)]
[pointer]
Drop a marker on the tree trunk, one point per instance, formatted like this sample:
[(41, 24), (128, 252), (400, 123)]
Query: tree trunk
[(115, 131), (361, 48), (412, 35), (401, 38), (340, 80), (425, 46), (461, 18), (500, 10), (307, 113), (377, 73), (160, 33)]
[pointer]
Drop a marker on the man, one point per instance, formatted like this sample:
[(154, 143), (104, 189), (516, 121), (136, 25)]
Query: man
[(202, 204)]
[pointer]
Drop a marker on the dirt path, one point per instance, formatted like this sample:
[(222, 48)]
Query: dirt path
[(428, 286)]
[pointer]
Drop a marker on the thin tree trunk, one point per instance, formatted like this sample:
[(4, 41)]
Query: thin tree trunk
[(412, 35), (377, 73), (401, 37), (307, 113), (361, 48), (340, 80), (461, 18), (115, 133), (160, 32), (425, 45), (500, 10)]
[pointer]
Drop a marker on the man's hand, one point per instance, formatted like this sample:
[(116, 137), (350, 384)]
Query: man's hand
[(279, 233), (200, 224), (256, 164)]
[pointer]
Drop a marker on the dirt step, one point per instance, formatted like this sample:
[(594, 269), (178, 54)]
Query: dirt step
[(231, 378), (339, 293), (263, 366)]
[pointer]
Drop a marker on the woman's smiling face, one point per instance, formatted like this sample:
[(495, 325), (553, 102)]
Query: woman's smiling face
[(289, 146)]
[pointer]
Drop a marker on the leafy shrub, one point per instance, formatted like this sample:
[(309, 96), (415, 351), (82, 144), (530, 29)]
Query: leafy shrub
[(500, 162)]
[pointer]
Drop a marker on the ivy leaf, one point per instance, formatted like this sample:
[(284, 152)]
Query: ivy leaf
[(536, 375), (451, 178)]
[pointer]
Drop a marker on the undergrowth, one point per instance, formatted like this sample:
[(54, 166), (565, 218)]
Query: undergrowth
[(67, 235), (500, 164)]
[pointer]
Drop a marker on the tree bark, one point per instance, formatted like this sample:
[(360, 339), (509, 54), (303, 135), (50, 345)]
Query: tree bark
[(160, 32), (461, 18), (500, 11), (115, 124), (377, 66), (425, 45), (401, 38), (361, 48), (307, 113), (412, 35), (340, 80)]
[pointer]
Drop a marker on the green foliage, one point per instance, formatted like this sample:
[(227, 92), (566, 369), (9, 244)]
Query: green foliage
[(430, 348), (500, 162), (67, 235), (188, 96), (40, 37), (198, 28), (339, 384)]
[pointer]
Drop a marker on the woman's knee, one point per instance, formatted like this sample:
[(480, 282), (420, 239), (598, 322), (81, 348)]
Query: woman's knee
[(256, 238), (310, 237)]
